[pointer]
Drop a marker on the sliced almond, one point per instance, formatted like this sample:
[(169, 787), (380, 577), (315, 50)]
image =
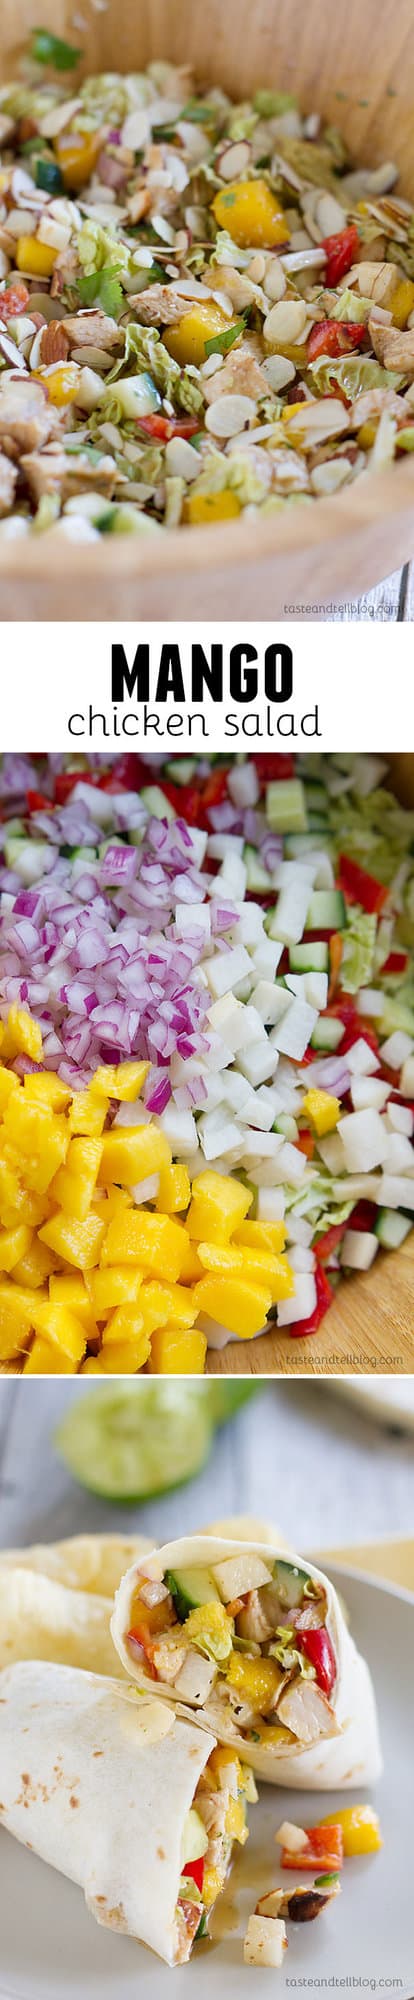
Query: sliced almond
[(329, 215), (285, 323), (274, 282), (182, 461), (279, 372), (229, 415), (315, 422), (136, 129), (234, 160), (62, 114)]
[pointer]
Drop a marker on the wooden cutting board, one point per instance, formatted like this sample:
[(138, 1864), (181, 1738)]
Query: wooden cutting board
[(369, 1327)]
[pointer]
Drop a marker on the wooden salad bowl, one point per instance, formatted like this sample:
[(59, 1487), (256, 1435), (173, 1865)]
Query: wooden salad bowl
[(355, 64), (370, 1326)]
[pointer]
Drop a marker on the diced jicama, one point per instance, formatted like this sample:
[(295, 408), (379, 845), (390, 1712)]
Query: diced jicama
[(226, 969), (250, 927), (396, 1191), (220, 844), (231, 878), (270, 1001), (228, 1018), (239, 1574), (358, 1187), (299, 1230), (316, 989), (361, 1059), (290, 1164), (293, 1032), (332, 1153), (265, 1941), (407, 1077), (304, 1302), (399, 1155), (364, 1139), (396, 1049), (358, 1249), (367, 1092), (270, 1205), (400, 1118), (289, 918), (266, 956), (216, 1335), (243, 783), (219, 1136), (180, 1128), (193, 917), (259, 1061), (370, 1001), (301, 1259)]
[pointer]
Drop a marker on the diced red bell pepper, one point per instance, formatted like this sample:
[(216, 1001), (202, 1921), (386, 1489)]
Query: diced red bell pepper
[(363, 1216), (165, 428), (37, 802), (341, 251), (396, 962), (327, 1244), (324, 1294), (335, 962), (13, 302), (271, 764), (360, 887), (317, 1646), (194, 802), (306, 1144), (196, 1870), (323, 1849), (143, 1637), (331, 336)]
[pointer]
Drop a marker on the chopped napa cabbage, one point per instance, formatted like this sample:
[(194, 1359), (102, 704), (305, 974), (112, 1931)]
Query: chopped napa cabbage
[(143, 344), (354, 373), (358, 950)]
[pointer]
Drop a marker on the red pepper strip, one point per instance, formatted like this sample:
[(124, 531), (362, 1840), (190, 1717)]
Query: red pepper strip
[(324, 1294), (318, 1648), (341, 250), (194, 802), (273, 764), (330, 336), (327, 1244), (319, 1851), (397, 961), (145, 1639), (359, 887), (196, 1870), (169, 427), (306, 1144), (363, 1216), (13, 302), (37, 802), (361, 1032)]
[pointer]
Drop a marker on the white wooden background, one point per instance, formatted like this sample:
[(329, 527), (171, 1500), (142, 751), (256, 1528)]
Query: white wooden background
[(392, 601), (297, 1454)]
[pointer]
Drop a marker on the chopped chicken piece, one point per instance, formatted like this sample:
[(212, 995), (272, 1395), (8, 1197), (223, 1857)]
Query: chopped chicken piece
[(240, 375), (239, 289), (27, 419), (195, 1677), (8, 476), (92, 329), (253, 1622), (53, 471), (265, 1941), (161, 305), (394, 349), (307, 1712)]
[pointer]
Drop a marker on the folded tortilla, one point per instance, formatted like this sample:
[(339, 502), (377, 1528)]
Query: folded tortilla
[(345, 1750), (99, 1782), (94, 1563)]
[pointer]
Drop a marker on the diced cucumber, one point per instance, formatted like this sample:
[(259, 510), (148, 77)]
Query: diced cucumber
[(326, 911), (16, 830), (195, 1838), (300, 846), (27, 858), (181, 770), (392, 1227), (328, 1032), (156, 803), (317, 823), (395, 1017), (83, 853), (286, 806), (308, 957), (290, 1582), (288, 1126), (316, 794), (191, 1587), (256, 876)]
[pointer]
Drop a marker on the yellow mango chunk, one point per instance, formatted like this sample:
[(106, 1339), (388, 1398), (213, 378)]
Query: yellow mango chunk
[(43, 1087), (123, 1357), (258, 1266), (41, 1138), (202, 508), (74, 1186), (8, 1083), (256, 1680), (62, 1328), (77, 154), (111, 1288), (45, 1359), (322, 1109), (153, 1241), (251, 214), (126, 1322), (236, 1821), (79, 1243), (121, 1080), (402, 302), (131, 1153), (61, 383), (218, 1206), (262, 1236), (360, 1828), (13, 1244), (37, 1265), (160, 1303), (187, 340), (174, 1191), (22, 1036), (87, 1114), (236, 1304), (212, 1884), (177, 1350), (37, 258), (69, 1289)]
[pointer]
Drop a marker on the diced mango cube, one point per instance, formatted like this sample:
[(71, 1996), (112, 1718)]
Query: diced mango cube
[(201, 510), (36, 1266), (262, 1236), (152, 1241), (252, 214), (87, 1114), (236, 1304), (23, 1035), (187, 340), (174, 1192), (74, 1186), (131, 1153), (125, 1324), (46, 1359), (62, 1328), (8, 1083), (322, 1109), (35, 1136), (177, 1350), (160, 1303), (402, 302), (257, 1681), (44, 1087), (121, 1080), (124, 1357), (37, 258), (13, 1244), (236, 1821), (69, 1289), (79, 1243), (219, 1205), (111, 1287)]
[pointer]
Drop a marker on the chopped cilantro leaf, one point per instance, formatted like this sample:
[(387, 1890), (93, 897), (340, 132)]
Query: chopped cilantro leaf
[(102, 288), (222, 341), (47, 48)]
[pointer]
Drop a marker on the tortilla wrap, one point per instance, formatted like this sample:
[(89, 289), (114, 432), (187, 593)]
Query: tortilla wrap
[(94, 1563), (349, 1757), (100, 1783)]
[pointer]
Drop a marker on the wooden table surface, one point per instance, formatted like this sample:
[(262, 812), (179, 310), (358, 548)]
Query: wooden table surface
[(297, 1455)]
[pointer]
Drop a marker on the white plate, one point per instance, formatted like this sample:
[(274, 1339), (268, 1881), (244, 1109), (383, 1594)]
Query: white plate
[(50, 1948), (387, 1398)]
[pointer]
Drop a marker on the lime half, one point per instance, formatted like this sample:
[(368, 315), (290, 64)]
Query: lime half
[(130, 1444), (227, 1397)]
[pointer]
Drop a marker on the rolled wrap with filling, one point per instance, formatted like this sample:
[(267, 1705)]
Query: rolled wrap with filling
[(253, 1640), (128, 1800)]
